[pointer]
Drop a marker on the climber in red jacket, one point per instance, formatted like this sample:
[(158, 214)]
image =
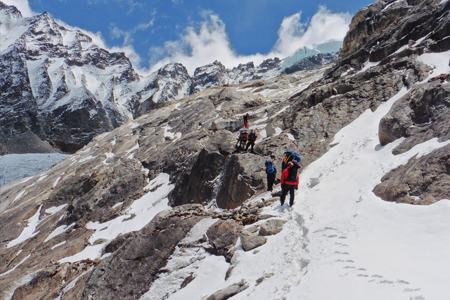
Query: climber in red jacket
[(289, 182)]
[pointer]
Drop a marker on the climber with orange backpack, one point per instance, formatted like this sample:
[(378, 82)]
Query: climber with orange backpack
[(242, 139)]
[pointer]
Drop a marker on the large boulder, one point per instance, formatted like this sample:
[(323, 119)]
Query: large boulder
[(271, 227), (222, 236), (423, 180)]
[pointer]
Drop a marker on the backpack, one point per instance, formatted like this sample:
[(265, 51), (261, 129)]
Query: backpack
[(292, 176), (243, 135), (269, 167), (252, 137), (287, 156)]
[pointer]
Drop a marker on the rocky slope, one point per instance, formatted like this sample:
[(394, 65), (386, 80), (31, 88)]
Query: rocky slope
[(183, 155)]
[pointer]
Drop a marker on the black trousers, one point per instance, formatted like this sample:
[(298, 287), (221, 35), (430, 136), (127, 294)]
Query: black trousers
[(285, 188), (248, 144), (270, 180)]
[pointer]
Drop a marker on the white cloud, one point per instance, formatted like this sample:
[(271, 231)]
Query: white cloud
[(324, 26), (21, 5), (197, 48), (127, 35), (209, 43)]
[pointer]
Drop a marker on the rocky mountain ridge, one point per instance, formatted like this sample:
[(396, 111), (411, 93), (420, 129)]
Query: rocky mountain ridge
[(137, 211), (59, 89)]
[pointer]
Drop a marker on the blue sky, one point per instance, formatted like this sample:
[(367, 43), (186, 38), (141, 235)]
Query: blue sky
[(154, 32)]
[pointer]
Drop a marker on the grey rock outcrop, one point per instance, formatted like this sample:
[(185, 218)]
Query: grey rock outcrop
[(419, 116), (380, 29), (422, 181)]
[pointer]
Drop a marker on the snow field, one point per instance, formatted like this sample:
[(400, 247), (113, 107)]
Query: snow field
[(439, 62), (28, 232), (361, 246)]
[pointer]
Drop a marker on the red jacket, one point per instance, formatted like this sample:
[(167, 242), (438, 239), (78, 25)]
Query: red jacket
[(285, 174)]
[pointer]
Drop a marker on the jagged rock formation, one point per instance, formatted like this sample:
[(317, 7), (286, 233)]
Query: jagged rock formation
[(216, 74), (184, 154)]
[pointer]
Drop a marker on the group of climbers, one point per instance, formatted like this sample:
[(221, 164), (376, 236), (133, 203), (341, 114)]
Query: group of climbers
[(289, 175), (289, 167), (246, 140)]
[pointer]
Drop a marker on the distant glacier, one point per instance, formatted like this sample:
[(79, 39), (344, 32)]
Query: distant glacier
[(302, 53)]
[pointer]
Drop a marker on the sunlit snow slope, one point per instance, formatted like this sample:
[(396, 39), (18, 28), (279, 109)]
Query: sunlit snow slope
[(341, 241)]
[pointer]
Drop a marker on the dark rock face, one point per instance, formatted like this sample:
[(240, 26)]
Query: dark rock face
[(18, 111), (419, 116), (385, 26), (130, 272), (69, 129), (240, 181), (423, 180), (197, 186)]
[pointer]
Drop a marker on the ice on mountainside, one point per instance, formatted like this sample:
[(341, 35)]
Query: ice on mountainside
[(14, 167), (302, 53)]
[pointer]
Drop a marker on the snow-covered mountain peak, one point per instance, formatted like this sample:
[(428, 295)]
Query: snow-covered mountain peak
[(8, 15)]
